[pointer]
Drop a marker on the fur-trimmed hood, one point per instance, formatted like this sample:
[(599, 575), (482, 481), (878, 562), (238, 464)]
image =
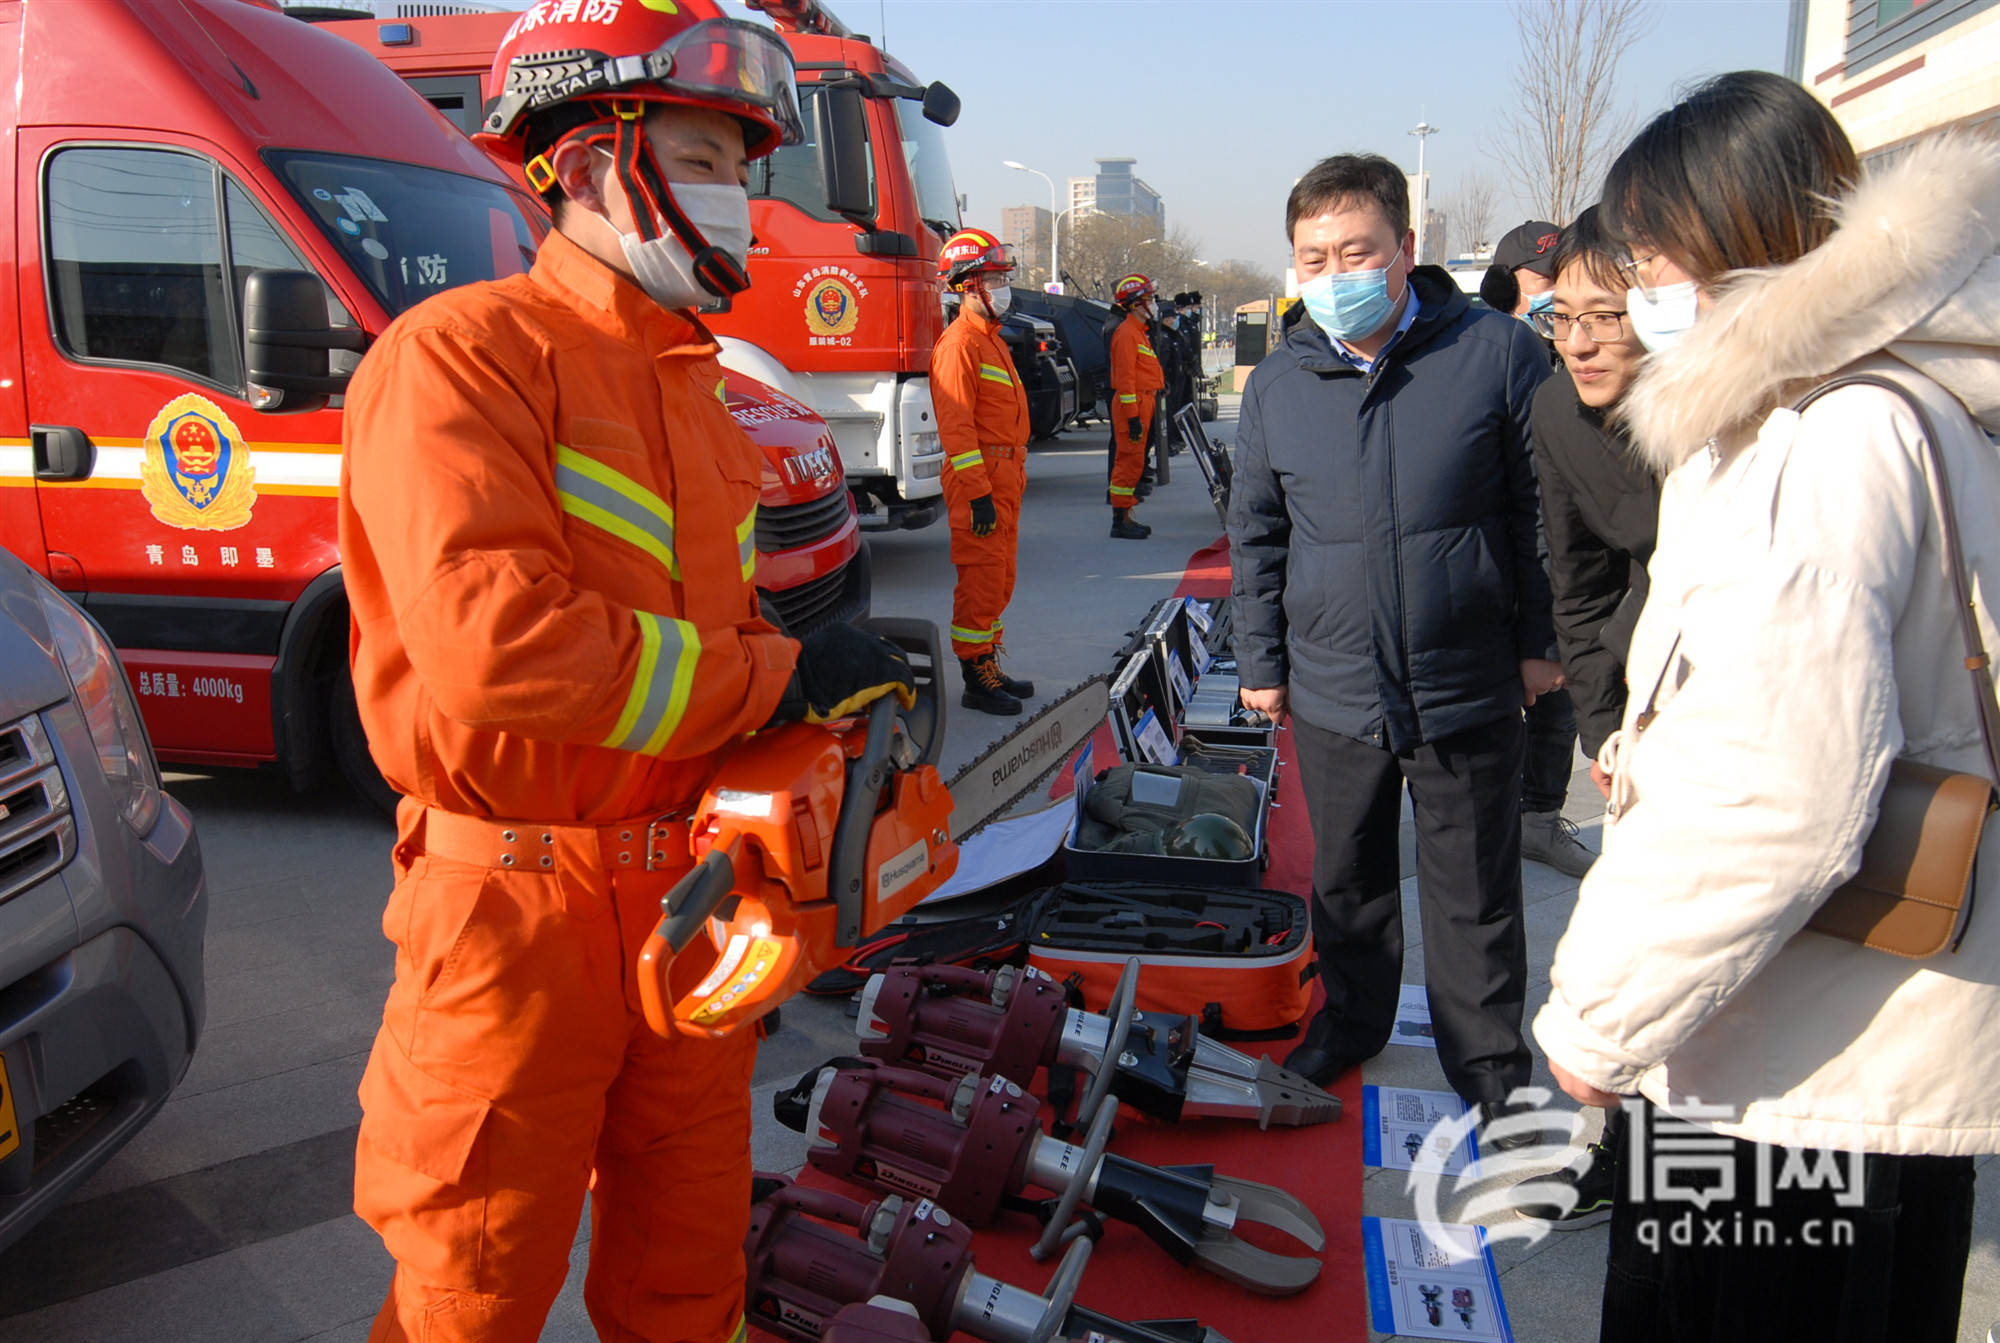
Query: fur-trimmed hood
[(1911, 270)]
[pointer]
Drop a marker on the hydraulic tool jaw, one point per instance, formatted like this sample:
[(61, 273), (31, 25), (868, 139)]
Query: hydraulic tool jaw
[(810, 838)]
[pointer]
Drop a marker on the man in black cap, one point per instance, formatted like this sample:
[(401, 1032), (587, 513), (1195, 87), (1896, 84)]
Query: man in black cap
[(1522, 281), (1522, 278)]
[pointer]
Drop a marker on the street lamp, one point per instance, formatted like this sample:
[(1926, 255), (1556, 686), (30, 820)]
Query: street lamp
[(1055, 220), (1424, 131)]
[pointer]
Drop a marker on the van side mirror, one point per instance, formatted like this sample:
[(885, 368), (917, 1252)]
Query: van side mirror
[(940, 104), (841, 126), (286, 339)]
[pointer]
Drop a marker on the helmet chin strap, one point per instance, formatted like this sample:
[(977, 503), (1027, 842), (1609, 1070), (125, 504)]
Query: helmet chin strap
[(653, 201)]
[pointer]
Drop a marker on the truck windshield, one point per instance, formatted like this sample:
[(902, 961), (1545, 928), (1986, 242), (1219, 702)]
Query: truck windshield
[(930, 167), (793, 173), (412, 232)]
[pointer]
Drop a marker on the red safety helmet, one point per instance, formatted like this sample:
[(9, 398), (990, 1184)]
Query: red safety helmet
[(1132, 291), (617, 56), (970, 253)]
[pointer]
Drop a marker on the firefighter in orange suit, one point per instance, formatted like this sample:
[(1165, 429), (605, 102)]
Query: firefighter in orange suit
[(1135, 381), (982, 415), (546, 526)]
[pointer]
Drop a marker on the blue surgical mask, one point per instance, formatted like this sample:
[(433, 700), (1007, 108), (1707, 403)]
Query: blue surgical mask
[(1541, 302), (1352, 305), (1660, 317)]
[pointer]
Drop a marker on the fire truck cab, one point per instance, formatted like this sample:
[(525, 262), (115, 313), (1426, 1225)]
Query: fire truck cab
[(215, 208)]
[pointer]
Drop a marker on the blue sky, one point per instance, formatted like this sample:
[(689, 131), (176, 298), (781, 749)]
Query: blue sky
[(1225, 102)]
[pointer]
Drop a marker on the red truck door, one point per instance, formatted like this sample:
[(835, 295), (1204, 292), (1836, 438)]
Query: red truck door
[(195, 518)]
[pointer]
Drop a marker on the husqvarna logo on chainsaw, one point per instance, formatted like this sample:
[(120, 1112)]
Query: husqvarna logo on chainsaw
[(903, 869), (1029, 751)]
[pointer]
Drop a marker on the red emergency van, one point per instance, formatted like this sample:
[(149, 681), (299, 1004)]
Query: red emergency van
[(206, 196)]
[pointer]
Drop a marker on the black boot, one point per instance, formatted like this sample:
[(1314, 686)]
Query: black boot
[(1013, 685), (1124, 529), (984, 690)]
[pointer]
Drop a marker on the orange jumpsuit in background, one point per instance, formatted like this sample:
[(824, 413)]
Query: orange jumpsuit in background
[(982, 415), (546, 531), (1135, 378)]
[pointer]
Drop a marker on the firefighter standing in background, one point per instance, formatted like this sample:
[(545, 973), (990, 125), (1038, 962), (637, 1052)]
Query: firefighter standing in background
[(982, 416), (546, 517), (1135, 381)]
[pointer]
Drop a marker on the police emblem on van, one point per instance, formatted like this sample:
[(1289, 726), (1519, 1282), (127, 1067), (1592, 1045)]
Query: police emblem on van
[(196, 473)]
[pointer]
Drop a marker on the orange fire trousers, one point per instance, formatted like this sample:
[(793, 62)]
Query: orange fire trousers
[(1130, 462), (512, 1074), (985, 564)]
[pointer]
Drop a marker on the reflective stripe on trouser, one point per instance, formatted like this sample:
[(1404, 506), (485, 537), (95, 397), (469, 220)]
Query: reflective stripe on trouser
[(1130, 462), (512, 1066), (985, 564)]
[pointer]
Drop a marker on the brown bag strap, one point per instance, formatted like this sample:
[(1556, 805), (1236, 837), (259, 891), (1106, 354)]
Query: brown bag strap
[(1976, 661)]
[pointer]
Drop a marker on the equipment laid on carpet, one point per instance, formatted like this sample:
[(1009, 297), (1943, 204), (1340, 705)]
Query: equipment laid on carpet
[(823, 1267), (976, 1145), (1239, 958), (1011, 1022)]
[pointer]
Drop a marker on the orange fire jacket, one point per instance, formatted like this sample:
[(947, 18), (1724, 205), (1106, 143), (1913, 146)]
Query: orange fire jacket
[(1135, 369), (979, 400), (547, 536)]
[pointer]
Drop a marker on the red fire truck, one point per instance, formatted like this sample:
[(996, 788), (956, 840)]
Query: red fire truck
[(844, 308), (208, 197)]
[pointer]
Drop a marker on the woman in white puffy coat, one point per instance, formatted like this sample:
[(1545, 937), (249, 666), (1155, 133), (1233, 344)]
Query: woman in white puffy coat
[(1802, 631)]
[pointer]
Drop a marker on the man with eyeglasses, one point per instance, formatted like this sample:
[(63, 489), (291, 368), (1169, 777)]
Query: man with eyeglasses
[(1521, 281), (1600, 508)]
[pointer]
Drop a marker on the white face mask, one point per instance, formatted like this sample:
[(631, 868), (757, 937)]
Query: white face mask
[(665, 269), (1002, 298), (1660, 317)]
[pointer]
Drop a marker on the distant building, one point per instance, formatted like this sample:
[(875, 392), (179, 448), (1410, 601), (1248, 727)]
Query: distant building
[(1026, 229), (1893, 70), (1083, 194), (1437, 239), (1117, 190)]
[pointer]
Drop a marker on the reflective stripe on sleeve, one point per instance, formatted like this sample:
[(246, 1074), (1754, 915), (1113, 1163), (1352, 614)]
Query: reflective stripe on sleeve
[(995, 374), (746, 544), (594, 493), (965, 461), (1147, 350), (1129, 398), (660, 690)]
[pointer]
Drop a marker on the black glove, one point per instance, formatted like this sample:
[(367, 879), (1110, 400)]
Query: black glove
[(984, 516), (843, 669), (1135, 429)]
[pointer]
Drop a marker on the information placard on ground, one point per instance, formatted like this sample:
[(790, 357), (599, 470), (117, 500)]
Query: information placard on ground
[(1413, 1019), (1400, 1131), (1421, 1288)]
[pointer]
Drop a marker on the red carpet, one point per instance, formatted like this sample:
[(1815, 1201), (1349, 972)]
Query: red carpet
[(1131, 1278)]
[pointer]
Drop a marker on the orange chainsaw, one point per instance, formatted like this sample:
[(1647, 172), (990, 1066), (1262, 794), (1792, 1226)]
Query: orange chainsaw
[(812, 837)]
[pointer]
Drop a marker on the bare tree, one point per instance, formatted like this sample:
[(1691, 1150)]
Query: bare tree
[(1101, 249), (1471, 212), (1228, 286), (1556, 143)]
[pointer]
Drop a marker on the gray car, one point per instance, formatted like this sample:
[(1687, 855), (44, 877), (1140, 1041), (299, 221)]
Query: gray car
[(102, 906)]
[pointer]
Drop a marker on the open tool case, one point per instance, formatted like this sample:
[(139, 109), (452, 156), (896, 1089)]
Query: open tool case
[(1238, 957)]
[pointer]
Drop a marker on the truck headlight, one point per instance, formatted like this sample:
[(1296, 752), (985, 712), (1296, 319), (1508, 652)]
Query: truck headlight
[(926, 455), (105, 696)]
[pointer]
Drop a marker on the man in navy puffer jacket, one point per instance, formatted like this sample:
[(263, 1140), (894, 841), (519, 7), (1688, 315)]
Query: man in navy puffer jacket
[(1388, 597)]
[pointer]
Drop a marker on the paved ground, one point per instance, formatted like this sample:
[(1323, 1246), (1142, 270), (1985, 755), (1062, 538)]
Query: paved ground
[(227, 1220)]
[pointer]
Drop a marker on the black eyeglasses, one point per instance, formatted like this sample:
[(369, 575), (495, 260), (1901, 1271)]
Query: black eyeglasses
[(1601, 327)]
